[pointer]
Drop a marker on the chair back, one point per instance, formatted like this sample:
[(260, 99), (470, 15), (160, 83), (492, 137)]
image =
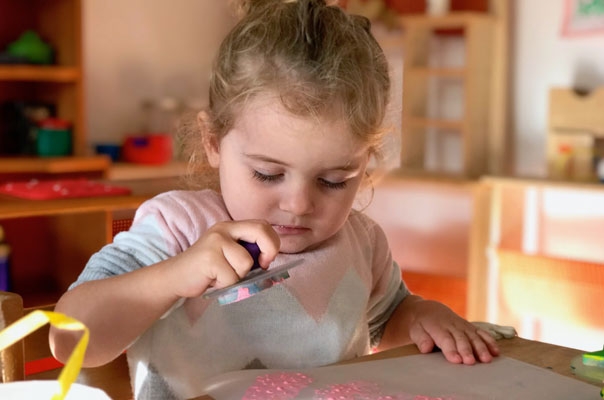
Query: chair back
[(31, 358)]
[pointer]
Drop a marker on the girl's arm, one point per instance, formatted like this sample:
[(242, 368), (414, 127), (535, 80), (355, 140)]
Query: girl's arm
[(116, 310), (119, 309), (428, 323)]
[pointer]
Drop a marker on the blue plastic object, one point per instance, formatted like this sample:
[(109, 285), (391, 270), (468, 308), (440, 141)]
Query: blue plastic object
[(111, 150)]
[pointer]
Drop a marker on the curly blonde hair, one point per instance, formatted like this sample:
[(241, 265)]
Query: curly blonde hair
[(317, 59)]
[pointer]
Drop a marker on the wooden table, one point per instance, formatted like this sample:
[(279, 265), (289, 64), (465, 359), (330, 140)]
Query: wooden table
[(554, 358)]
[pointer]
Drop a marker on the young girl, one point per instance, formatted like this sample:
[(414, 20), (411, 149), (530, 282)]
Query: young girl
[(298, 92)]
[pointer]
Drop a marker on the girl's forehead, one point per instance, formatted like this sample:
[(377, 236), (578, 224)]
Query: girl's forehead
[(268, 112), (266, 128), (297, 141)]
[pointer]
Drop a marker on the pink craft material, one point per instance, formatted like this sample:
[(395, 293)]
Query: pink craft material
[(348, 391), (277, 386), (242, 294), (61, 189), (362, 390)]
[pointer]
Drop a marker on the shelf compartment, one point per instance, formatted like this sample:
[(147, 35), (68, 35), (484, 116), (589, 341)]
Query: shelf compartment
[(66, 98), (49, 252), (447, 90), (58, 23), (437, 72), (30, 73), (449, 21), (452, 125), (54, 165)]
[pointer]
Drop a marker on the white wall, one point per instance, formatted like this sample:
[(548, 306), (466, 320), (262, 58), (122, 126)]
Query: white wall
[(544, 59), (138, 49)]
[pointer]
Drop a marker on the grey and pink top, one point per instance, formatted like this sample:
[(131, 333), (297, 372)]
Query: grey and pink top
[(333, 307)]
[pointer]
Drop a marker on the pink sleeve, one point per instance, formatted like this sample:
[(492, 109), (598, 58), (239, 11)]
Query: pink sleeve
[(388, 288)]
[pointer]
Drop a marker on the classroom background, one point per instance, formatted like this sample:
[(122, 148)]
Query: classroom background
[(492, 201)]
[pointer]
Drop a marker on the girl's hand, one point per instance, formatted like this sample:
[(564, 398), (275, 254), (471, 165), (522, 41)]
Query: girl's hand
[(433, 323), (217, 260)]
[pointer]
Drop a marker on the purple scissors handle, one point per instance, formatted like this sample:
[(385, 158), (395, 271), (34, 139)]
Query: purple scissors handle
[(254, 251)]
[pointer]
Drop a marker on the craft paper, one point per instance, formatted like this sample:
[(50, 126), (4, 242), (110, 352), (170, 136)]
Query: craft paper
[(419, 377)]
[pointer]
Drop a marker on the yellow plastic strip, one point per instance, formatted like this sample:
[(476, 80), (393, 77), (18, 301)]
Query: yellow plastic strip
[(34, 320)]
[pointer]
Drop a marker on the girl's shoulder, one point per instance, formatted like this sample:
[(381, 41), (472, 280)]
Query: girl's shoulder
[(186, 204), (206, 197), (359, 220)]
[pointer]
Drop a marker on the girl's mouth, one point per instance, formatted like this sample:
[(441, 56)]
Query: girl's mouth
[(290, 229)]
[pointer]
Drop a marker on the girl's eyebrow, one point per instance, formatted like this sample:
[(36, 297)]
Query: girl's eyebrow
[(261, 157)]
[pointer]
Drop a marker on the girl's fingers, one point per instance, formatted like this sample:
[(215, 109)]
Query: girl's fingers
[(421, 338), (448, 346), (224, 275), (237, 258), (490, 342), (464, 347), (481, 350), (255, 231)]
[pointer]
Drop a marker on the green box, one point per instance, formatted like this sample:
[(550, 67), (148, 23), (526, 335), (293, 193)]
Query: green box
[(53, 142)]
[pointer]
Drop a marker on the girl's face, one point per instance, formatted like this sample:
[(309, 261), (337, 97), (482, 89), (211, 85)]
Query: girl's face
[(299, 174)]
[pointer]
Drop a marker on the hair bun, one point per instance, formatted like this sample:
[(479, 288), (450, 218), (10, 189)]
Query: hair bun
[(246, 7)]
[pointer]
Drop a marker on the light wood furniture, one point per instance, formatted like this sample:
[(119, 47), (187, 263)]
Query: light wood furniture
[(52, 240), (27, 168), (571, 111), (121, 171), (481, 125), (543, 355), (535, 257), (113, 377), (575, 122)]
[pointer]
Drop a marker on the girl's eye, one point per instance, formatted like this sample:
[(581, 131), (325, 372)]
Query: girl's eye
[(266, 178), (332, 185)]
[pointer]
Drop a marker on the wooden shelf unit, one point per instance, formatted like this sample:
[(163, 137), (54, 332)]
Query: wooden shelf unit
[(59, 23), (51, 240), (535, 257), (444, 72), (30, 73), (479, 32)]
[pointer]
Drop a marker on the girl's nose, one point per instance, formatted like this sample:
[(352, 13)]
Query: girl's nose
[(298, 200)]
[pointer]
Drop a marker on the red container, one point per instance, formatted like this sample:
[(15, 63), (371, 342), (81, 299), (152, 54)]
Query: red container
[(152, 149), (407, 6)]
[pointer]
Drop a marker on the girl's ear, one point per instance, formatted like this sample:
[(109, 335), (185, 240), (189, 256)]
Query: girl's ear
[(209, 140)]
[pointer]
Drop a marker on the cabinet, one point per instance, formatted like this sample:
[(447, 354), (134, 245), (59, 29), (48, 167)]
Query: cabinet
[(536, 259), (450, 107), (51, 240), (575, 140), (58, 22)]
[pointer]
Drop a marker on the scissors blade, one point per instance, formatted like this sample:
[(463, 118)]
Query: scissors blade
[(255, 282)]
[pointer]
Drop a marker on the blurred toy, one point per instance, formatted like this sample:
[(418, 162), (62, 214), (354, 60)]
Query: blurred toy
[(109, 149), (148, 149), (53, 137), (4, 263), (19, 121), (31, 47)]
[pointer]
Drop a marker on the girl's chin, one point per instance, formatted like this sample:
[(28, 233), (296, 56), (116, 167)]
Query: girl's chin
[(292, 245)]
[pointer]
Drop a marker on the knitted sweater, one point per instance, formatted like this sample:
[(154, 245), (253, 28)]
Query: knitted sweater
[(333, 307)]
